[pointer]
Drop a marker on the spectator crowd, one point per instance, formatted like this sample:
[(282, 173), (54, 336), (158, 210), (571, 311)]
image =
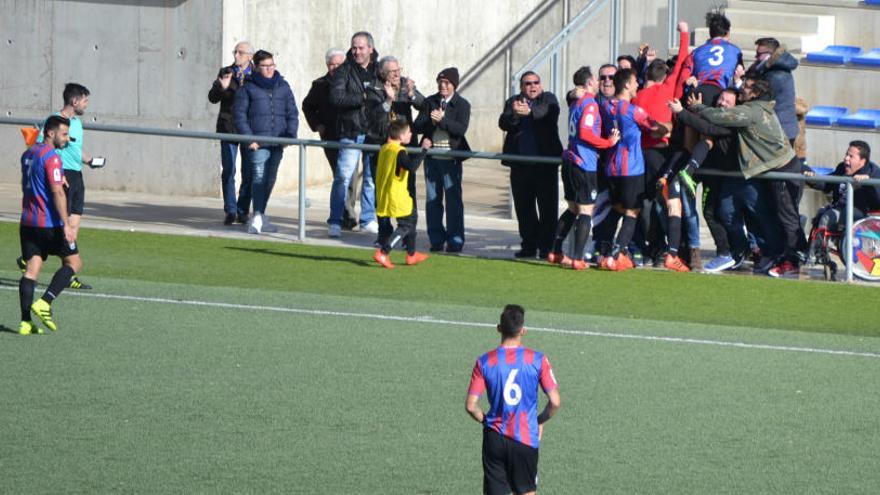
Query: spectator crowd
[(639, 133)]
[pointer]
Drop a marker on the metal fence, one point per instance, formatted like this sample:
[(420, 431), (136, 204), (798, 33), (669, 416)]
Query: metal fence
[(303, 143)]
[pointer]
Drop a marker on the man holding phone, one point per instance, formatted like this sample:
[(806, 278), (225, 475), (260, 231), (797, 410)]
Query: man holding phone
[(76, 101)]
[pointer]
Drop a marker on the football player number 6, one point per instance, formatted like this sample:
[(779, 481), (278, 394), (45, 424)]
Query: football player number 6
[(512, 391)]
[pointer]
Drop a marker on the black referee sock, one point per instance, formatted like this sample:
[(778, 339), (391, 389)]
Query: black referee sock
[(563, 226), (674, 237), (60, 280), (582, 235), (26, 297)]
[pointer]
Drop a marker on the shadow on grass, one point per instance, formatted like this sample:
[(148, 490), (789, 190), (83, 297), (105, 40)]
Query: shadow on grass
[(310, 257), (5, 329)]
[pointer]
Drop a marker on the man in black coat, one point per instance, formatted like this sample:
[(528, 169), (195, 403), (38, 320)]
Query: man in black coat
[(321, 116), (443, 123), (222, 91), (348, 95), (530, 120)]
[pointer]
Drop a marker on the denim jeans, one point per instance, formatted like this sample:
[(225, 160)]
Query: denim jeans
[(346, 170), (443, 178), (264, 167), (691, 218), (228, 155), (746, 202)]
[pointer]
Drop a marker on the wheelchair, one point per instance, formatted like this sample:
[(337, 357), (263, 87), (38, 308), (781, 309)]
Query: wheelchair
[(827, 244)]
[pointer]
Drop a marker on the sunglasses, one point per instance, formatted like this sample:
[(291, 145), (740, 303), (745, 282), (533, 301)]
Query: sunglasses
[(531, 83), (606, 78)]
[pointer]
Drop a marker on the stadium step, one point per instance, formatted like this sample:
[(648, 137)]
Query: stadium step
[(796, 42), (761, 20)]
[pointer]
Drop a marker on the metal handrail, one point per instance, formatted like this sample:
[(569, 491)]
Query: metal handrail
[(303, 143), (552, 47)]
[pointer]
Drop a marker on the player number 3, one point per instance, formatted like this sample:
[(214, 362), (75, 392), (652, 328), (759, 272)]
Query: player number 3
[(512, 390)]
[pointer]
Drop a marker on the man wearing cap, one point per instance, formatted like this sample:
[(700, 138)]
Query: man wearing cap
[(443, 124)]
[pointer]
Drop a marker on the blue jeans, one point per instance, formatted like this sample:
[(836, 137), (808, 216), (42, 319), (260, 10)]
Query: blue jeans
[(746, 202), (264, 167), (689, 214), (346, 168), (443, 177), (228, 155)]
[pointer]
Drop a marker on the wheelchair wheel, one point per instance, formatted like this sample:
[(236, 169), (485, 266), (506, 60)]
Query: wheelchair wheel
[(865, 250)]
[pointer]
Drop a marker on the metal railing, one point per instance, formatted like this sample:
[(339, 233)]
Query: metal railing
[(303, 143), (551, 49)]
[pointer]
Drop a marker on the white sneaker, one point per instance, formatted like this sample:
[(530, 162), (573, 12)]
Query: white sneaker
[(268, 227), (372, 227), (255, 226), (334, 230)]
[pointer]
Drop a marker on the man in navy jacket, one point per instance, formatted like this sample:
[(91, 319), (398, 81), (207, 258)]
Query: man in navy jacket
[(264, 106)]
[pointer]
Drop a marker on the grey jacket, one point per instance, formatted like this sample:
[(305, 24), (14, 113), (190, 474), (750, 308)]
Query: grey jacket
[(777, 70)]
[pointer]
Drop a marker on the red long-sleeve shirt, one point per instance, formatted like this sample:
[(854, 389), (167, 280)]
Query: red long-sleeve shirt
[(654, 100)]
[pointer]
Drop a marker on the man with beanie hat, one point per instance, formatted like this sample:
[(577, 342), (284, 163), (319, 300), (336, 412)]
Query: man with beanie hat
[(443, 123)]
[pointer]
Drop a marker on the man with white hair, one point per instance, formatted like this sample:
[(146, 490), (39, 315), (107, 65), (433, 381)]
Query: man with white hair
[(321, 116), (229, 79)]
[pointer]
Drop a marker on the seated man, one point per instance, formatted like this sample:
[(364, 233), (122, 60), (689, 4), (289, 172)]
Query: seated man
[(856, 164)]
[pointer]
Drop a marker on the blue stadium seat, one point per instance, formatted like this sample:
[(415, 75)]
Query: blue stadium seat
[(822, 170), (872, 2), (825, 115), (871, 58), (834, 54), (864, 118)]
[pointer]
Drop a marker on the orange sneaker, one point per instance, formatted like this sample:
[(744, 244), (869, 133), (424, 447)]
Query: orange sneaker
[(675, 264), (565, 262), (555, 258), (415, 258), (383, 259), (579, 265), (623, 263), (607, 263)]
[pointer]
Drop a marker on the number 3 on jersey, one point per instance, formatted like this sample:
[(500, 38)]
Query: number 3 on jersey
[(717, 56), (512, 390)]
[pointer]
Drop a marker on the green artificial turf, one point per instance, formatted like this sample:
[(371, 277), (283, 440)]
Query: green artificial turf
[(640, 294), (161, 395)]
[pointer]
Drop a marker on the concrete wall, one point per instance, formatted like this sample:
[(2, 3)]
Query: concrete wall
[(147, 63), (150, 63)]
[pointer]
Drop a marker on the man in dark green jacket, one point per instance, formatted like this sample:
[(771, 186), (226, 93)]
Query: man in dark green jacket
[(763, 146)]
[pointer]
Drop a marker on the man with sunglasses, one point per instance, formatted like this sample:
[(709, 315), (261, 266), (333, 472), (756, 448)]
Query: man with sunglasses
[(530, 121)]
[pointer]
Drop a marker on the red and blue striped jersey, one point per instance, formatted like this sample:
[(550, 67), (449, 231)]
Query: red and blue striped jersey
[(40, 168), (585, 134), (715, 62), (511, 376), (625, 159)]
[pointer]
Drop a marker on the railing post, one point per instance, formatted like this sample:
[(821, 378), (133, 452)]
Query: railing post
[(848, 239), (301, 212), (673, 23), (615, 29)]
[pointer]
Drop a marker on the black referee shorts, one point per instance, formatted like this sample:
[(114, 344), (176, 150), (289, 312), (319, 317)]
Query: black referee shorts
[(578, 184), (44, 241), (75, 191), (710, 93), (508, 465)]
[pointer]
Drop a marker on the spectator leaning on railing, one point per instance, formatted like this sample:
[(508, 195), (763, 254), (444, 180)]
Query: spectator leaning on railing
[(264, 106), (229, 79)]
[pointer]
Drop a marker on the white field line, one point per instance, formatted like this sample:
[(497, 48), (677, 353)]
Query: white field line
[(430, 319)]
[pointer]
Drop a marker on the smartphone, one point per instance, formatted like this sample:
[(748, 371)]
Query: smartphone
[(97, 162)]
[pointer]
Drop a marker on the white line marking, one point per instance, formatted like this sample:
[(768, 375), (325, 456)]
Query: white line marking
[(432, 320)]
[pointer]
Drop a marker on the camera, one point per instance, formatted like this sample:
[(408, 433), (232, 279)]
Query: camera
[(225, 71)]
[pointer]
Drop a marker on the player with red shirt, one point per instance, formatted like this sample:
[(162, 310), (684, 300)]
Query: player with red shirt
[(510, 375), (45, 227)]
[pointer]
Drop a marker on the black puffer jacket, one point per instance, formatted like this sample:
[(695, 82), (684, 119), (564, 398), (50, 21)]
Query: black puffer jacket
[(226, 98), (778, 71), (348, 93)]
